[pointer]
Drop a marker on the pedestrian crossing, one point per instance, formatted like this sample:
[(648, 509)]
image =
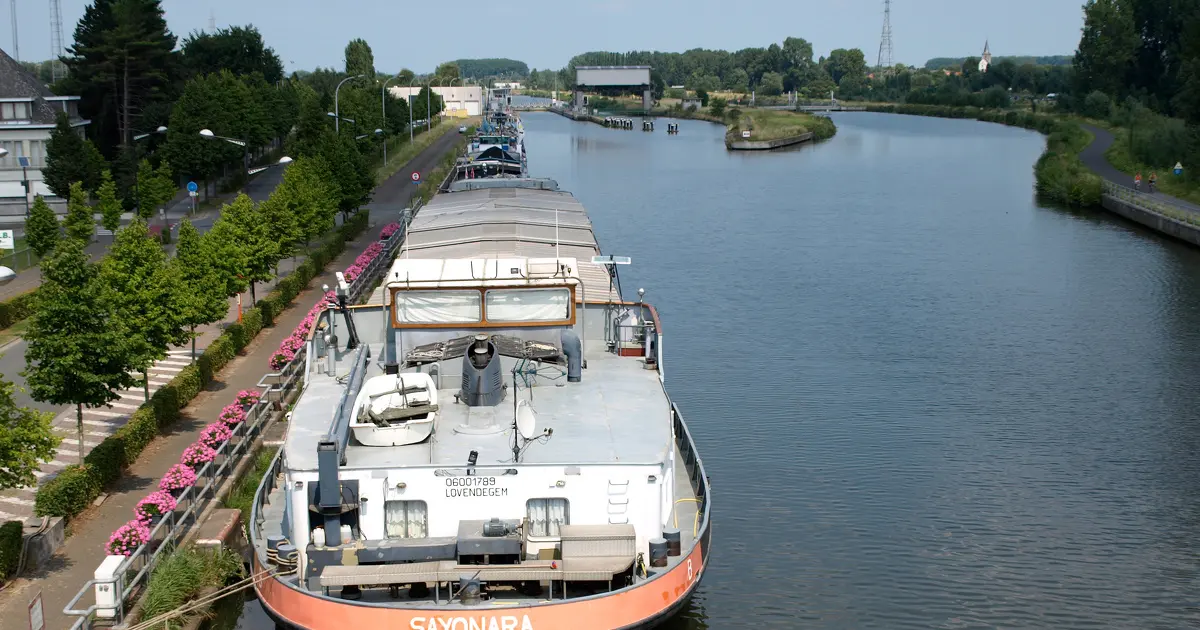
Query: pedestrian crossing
[(17, 503)]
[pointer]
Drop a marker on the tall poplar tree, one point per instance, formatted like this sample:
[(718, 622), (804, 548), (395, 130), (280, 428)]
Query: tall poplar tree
[(77, 352), (203, 297), (80, 224)]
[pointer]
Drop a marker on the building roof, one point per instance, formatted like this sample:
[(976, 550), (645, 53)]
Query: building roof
[(17, 82)]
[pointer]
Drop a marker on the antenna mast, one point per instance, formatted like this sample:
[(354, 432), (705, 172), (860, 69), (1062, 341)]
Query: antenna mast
[(58, 69), (212, 21), (884, 62), (16, 47)]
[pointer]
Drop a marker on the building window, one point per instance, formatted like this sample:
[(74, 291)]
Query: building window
[(406, 519), (547, 516)]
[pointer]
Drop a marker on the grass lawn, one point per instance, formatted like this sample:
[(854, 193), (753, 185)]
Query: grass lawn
[(1118, 155), (12, 332), (769, 124)]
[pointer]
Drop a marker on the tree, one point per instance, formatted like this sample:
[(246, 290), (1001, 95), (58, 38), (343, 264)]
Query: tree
[(716, 106), (143, 294), (737, 80), (221, 103), (842, 62), (405, 76), (41, 229), (239, 49), (26, 440), (311, 195), (447, 71), (70, 158), (1107, 49), (202, 296), (80, 224), (360, 59), (77, 352), (250, 233), (155, 187), (229, 261), (109, 206), (124, 66), (771, 84)]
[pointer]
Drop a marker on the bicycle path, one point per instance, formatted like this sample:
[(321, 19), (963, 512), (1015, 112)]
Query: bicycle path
[(1092, 157)]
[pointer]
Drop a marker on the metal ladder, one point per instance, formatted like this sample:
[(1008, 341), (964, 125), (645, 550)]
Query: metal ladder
[(618, 501)]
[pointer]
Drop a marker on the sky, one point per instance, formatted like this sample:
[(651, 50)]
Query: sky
[(546, 34)]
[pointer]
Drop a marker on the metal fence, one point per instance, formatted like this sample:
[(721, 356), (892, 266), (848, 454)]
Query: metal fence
[(1152, 202), (279, 390), (18, 259)]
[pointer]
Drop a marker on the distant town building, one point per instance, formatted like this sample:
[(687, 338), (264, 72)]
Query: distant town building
[(27, 115), (461, 100), (508, 85), (689, 102), (986, 61)]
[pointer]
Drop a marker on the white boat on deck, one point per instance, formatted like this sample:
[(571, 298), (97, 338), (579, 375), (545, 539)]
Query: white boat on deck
[(395, 410)]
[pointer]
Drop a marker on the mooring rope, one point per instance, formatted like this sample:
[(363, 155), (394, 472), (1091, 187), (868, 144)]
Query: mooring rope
[(161, 620)]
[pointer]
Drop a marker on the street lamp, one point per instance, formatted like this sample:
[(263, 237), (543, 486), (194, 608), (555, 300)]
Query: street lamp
[(335, 99), (283, 161), (338, 118)]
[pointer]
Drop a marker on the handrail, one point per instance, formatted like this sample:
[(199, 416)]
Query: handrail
[(1166, 206), (279, 387)]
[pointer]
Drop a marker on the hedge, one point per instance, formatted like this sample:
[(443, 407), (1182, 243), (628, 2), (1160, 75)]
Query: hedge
[(12, 535), (75, 487), (16, 309)]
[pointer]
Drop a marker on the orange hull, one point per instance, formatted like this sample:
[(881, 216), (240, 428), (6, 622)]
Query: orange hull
[(639, 606)]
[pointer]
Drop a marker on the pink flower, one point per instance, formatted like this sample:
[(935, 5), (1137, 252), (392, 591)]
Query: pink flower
[(155, 504), (248, 397), (128, 538), (178, 478), (388, 230), (215, 434), (233, 414), (197, 455)]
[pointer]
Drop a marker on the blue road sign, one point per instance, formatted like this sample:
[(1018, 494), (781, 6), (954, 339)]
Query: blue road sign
[(23, 161), (192, 187), (1178, 168)]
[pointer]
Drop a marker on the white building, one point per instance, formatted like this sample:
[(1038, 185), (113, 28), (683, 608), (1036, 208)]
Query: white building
[(27, 112), (461, 100), (507, 85), (986, 61)]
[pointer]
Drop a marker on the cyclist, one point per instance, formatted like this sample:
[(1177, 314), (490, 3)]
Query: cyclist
[(1137, 181), (1153, 180)]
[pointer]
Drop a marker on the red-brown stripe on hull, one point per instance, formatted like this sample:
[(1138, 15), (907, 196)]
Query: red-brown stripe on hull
[(628, 608)]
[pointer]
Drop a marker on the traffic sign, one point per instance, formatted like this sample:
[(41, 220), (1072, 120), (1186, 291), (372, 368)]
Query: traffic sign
[(6, 239), (192, 193), (745, 134), (416, 177), (192, 187), (23, 161), (1179, 168)]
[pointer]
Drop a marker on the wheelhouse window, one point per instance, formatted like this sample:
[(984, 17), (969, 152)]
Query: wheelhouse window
[(406, 519), (528, 305), (438, 307), (547, 516)]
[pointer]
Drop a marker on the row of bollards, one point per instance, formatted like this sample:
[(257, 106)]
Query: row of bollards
[(647, 125), (619, 123), (672, 127)]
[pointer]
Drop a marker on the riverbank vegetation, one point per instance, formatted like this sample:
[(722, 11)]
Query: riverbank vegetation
[(182, 576), (768, 124)]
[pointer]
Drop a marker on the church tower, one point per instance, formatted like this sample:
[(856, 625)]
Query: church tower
[(987, 58)]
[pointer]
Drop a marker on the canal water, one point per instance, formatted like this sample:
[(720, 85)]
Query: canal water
[(925, 400)]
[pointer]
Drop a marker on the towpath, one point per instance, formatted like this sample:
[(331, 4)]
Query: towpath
[(1092, 157)]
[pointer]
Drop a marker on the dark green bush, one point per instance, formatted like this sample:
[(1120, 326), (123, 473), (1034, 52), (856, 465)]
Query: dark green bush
[(67, 494), (138, 433), (16, 309), (12, 536), (106, 460)]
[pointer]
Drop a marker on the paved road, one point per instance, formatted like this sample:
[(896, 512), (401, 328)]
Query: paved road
[(1092, 157), (259, 188), (76, 562), (388, 200)]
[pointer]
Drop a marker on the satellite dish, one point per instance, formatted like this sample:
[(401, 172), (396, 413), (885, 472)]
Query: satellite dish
[(526, 421), (7, 275)]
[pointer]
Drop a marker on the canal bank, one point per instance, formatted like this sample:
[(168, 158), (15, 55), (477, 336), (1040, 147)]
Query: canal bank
[(753, 130)]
